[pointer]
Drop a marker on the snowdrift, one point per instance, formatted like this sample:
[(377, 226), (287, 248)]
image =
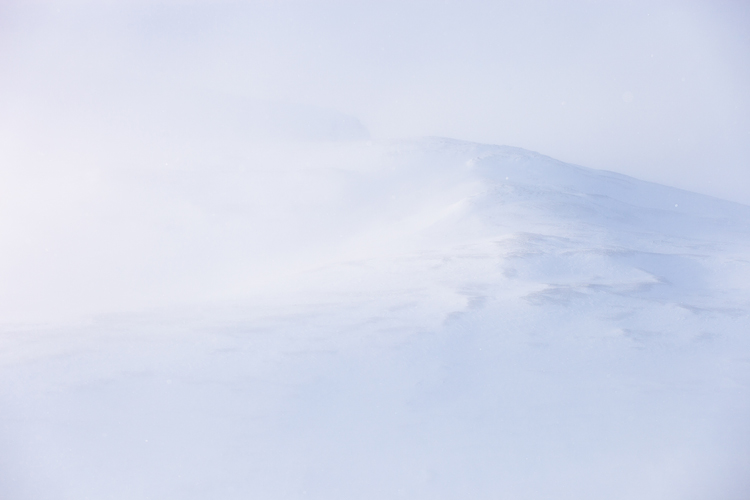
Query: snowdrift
[(413, 319)]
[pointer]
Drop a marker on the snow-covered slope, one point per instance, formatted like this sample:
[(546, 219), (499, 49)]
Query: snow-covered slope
[(416, 319)]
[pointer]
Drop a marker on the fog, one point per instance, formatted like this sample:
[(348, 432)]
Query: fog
[(657, 90), (103, 104), (233, 266)]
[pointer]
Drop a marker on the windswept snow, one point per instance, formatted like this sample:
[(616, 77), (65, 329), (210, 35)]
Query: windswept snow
[(417, 319)]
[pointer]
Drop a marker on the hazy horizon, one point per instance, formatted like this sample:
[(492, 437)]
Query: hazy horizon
[(653, 90)]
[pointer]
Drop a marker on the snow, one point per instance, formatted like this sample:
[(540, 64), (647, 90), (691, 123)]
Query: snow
[(410, 319)]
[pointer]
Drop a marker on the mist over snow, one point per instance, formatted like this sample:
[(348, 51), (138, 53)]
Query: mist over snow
[(241, 258), (657, 90), (419, 319)]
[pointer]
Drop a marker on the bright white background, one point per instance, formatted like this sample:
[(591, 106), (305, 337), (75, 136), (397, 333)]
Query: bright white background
[(657, 90)]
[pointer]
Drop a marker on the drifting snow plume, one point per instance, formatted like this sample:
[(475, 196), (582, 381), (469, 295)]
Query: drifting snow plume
[(418, 319)]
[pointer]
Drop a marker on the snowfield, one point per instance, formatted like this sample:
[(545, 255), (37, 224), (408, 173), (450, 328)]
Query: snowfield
[(423, 319)]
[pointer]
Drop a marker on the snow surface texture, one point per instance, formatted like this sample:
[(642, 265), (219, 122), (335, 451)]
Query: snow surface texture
[(423, 319)]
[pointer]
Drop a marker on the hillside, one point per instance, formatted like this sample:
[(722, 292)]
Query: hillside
[(413, 319)]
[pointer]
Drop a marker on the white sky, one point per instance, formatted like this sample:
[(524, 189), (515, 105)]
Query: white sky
[(658, 90)]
